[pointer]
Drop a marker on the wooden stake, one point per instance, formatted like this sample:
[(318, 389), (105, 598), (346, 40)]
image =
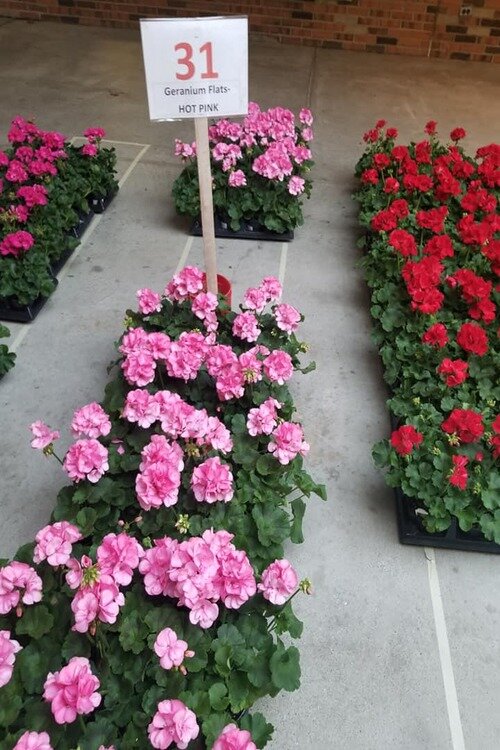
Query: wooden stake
[(206, 201)]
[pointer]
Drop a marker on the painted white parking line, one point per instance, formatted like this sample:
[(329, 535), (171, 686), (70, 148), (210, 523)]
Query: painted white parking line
[(283, 261), (457, 736), (96, 220), (184, 255)]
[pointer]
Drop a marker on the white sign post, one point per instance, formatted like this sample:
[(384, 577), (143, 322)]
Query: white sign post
[(196, 68)]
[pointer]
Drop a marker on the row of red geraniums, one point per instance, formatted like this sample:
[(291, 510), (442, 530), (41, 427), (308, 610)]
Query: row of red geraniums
[(260, 167), (431, 214), (45, 184), (155, 608)]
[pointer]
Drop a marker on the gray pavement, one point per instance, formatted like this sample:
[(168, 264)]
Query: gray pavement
[(389, 662)]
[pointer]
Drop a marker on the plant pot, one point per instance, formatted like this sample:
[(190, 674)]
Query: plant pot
[(79, 228), (15, 313), (249, 230), (412, 531), (99, 203), (224, 288)]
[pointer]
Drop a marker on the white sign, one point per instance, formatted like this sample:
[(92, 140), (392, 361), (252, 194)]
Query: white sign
[(195, 67)]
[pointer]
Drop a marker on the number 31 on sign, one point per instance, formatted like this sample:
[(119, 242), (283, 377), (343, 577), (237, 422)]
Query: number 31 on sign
[(195, 67)]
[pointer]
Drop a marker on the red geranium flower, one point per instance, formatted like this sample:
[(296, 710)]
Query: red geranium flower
[(399, 208), (459, 476), (454, 370), (472, 338), (391, 133), (496, 424), (485, 310), (457, 134), (384, 221), (381, 161), (400, 153), (404, 439), (427, 301), (432, 219), (465, 423), (391, 185), (436, 335), (403, 242), (370, 176), (440, 246), (423, 152), (421, 182), (430, 127)]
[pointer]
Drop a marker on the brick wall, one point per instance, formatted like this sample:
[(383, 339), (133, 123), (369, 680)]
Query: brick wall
[(434, 28)]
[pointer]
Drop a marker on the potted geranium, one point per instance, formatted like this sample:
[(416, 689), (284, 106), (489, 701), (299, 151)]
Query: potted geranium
[(260, 168), (156, 607), (433, 260), (7, 358)]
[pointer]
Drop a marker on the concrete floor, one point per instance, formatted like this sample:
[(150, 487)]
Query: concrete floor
[(401, 646)]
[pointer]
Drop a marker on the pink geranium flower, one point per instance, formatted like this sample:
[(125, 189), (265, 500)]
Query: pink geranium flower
[(33, 741), (173, 722), (278, 366), (272, 288), (212, 481), (287, 318), (139, 368), (18, 581), (232, 738), (246, 327), (16, 242), (89, 149), (158, 485), (118, 555), (94, 134), (288, 441), (91, 420), (86, 459), (72, 691), (186, 283), (279, 581), (54, 543), (237, 178), (171, 649), (8, 649), (148, 301), (296, 185), (141, 407), (42, 435), (263, 419)]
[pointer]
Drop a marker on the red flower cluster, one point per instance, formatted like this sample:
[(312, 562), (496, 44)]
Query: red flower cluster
[(405, 438), (466, 424), (422, 279), (459, 476), (436, 335), (472, 338), (453, 370)]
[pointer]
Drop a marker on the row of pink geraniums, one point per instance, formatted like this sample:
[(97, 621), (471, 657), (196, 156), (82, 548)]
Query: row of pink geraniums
[(151, 610)]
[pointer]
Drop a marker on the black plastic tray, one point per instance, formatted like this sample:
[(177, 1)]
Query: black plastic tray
[(411, 531), (22, 313), (56, 265), (248, 231), (98, 204), (82, 224)]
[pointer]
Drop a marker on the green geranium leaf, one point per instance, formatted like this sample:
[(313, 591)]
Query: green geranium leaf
[(298, 510), (258, 727), (35, 622), (219, 699), (285, 668)]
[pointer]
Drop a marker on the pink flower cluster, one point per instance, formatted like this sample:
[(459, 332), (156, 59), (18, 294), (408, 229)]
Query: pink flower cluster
[(287, 442), (72, 691), (263, 419), (199, 572), (287, 318), (246, 327), (8, 650), (256, 298), (149, 301), (278, 366), (279, 581), (204, 306), (173, 722), (18, 583), (212, 481), (98, 596), (171, 650), (86, 459), (54, 543), (33, 741), (186, 283), (232, 738), (42, 435), (16, 243), (185, 150), (91, 421), (159, 478)]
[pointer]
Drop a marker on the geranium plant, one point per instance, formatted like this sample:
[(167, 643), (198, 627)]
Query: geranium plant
[(260, 169), (45, 184), (432, 264), (7, 358), (151, 611)]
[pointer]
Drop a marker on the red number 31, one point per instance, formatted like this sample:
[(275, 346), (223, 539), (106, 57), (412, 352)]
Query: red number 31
[(187, 61)]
